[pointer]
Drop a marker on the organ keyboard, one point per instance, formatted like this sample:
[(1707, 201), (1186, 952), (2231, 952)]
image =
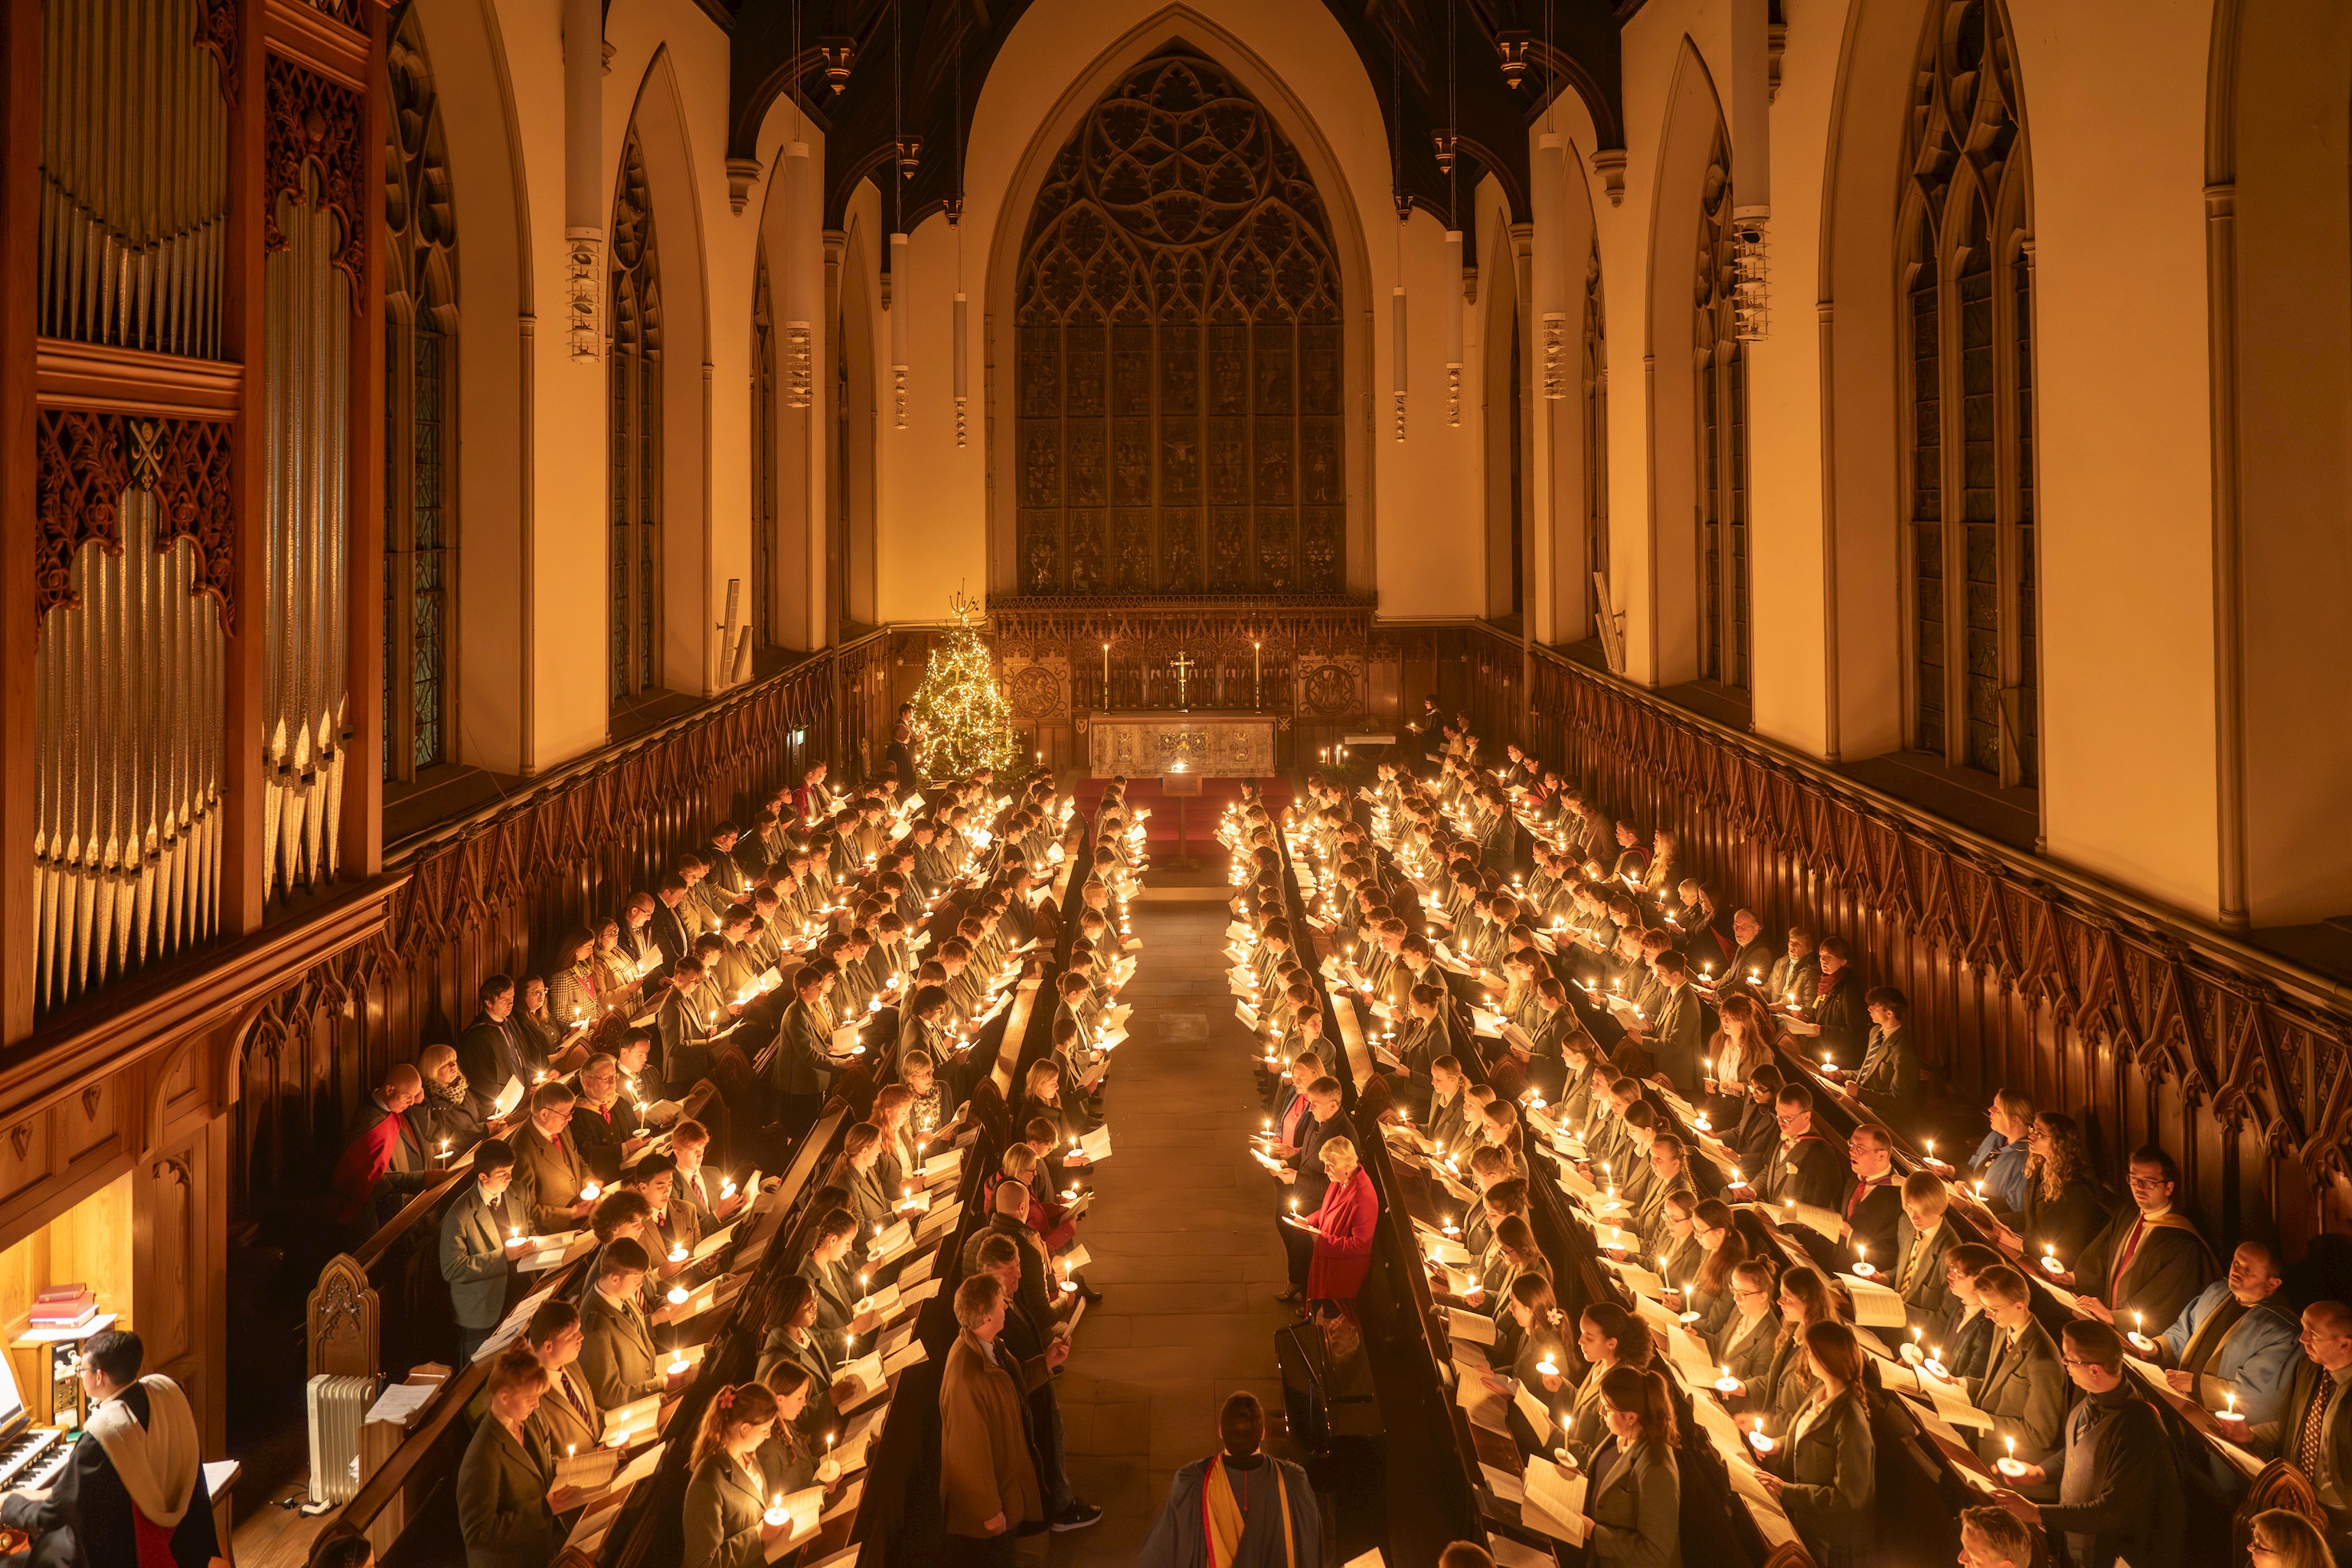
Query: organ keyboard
[(30, 1456)]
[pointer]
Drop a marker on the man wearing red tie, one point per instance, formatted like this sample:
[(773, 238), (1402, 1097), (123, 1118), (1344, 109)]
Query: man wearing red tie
[(1874, 1204), (2150, 1259)]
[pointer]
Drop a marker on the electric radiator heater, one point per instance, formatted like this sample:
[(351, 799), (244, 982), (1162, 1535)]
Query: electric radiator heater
[(338, 1407)]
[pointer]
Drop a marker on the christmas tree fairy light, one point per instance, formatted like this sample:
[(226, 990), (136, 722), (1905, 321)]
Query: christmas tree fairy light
[(963, 719)]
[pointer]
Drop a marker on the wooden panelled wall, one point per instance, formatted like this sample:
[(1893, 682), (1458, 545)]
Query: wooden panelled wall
[(496, 893), (2145, 1027)]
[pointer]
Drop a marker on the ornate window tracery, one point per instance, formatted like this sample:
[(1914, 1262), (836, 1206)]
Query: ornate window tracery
[(1722, 390), (1178, 388), (633, 375), (420, 378), (1596, 439), (763, 456), (1966, 223)]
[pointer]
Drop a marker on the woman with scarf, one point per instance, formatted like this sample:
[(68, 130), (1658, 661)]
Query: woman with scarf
[(453, 1116), (1239, 1508)]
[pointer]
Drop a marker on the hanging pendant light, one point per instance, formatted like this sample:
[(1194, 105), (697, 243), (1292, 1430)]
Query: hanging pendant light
[(962, 366), (1449, 310), (1396, 317), (899, 246), (799, 377), (1548, 198)]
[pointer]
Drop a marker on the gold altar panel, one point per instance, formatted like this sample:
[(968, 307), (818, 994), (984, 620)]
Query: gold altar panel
[(1214, 745)]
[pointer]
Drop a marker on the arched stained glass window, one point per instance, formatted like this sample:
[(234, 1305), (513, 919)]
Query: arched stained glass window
[(633, 374), (1178, 385), (1968, 327), (1721, 386), (420, 381)]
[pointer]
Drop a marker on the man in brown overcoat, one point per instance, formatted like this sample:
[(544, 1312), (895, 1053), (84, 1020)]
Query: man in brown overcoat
[(988, 1467)]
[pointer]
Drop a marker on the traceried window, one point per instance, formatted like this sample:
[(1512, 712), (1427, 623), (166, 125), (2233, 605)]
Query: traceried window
[(1721, 386), (1179, 418), (420, 379), (763, 458), (1968, 325), (1596, 439), (633, 374)]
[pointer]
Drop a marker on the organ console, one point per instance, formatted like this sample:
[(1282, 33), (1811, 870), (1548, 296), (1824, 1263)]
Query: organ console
[(31, 1457)]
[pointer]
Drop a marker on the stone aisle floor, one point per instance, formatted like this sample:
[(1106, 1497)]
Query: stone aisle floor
[(1181, 1233)]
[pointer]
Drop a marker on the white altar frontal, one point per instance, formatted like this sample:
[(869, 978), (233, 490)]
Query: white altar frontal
[(1213, 745)]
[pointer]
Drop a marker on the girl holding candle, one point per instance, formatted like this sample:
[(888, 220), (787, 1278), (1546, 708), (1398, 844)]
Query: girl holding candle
[(1826, 1472), (727, 1501), (794, 1340), (789, 1457), (1805, 1300), (1744, 1346), (1608, 1339), (1721, 1249), (1634, 1503), (858, 1170)]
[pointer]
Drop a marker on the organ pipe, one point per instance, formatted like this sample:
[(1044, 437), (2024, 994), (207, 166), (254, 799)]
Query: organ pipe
[(135, 177), (129, 713), (306, 382)]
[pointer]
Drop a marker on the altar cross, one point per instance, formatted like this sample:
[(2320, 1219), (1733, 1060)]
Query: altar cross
[(1182, 665)]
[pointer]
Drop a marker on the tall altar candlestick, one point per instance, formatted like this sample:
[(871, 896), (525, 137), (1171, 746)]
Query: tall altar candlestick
[(1105, 691), (1257, 678)]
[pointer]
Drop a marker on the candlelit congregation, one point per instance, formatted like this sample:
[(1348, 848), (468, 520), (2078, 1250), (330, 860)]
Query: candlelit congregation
[(1197, 783)]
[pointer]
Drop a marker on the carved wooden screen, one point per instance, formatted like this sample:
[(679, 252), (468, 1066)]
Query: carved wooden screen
[(1178, 383), (1967, 293)]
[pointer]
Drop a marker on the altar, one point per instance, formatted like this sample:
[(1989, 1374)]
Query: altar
[(1214, 744)]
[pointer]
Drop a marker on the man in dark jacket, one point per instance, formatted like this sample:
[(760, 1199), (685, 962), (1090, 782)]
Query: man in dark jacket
[(494, 1048), (2119, 1494), (1027, 1341), (139, 1457), (1009, 1217)]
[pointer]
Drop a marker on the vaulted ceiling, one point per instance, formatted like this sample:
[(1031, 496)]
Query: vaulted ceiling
[(896, 81)]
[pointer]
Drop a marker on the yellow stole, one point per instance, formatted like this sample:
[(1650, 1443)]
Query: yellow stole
[(1221, 1518)]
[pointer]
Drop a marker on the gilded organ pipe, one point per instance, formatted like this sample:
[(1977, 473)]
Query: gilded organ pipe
[(135, 177), (129, 708), (307, 329)]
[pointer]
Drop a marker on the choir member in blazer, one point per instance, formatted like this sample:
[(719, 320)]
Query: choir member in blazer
[(1634, 1500), (831, 1273), (505, 1514), (1965, 1342), (617, 1351), (789, 1458), (1825, 1471), (1749, 1336), (1917, 1274), (2024, 1389), (550, 1171), (1706, 1285), (475, 1260), (568, 1419), (1607, 1338), (792, 1339), (727, 1497)]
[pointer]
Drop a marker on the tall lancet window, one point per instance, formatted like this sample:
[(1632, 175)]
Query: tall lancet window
[(420, 383), (634, 379), (1721, 386), (1967, 327), (763, 458), (1596, 438)]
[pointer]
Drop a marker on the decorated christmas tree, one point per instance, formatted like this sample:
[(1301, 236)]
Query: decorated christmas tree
[(962, 721)]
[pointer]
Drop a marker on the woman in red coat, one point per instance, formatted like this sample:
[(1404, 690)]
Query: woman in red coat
[(1343, 1224)]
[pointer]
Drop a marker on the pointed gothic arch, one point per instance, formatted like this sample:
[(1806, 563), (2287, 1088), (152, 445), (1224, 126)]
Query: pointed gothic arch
[(421, 326), (1964, 232)]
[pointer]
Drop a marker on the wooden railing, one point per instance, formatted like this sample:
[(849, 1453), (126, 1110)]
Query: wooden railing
[(491, 894), (2145, 1025)]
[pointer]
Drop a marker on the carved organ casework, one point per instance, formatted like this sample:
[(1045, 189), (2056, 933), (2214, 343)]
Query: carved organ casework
[(1178, 382), (317, 186), (133, 574)]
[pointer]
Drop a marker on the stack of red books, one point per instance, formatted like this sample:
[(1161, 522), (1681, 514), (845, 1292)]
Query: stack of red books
[(64, 1307)]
